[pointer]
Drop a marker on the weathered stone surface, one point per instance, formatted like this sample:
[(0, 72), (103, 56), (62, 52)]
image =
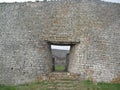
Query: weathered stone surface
[(91, 27)]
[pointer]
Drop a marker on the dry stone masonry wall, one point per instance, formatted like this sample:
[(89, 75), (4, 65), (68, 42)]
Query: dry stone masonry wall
[(91, 27)]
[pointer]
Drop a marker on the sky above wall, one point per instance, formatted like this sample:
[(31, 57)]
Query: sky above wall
[(116, 1), (54, 46), (60, 47)]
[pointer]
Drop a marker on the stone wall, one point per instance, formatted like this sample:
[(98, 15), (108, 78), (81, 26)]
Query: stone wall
[(23, 55), (92, 27)]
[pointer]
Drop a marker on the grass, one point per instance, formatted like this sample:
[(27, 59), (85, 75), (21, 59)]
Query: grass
[(45, 85), (59, 68), (3, 87), (109, 86), (101, 85)]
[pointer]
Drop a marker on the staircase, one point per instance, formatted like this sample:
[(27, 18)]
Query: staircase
[(63, 85), (63, 81)]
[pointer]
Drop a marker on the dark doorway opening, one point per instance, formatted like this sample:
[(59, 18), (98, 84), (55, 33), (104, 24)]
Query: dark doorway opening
[(60, 57)]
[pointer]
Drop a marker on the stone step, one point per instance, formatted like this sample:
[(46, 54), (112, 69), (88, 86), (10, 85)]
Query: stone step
[(66, 84), (63, 85), (65, 88), (62, 81), (59, 75), (64, 75)]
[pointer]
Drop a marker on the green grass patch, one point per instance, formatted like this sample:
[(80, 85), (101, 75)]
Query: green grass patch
[(81, 85), (101, 86), (59, 68), (108, 86), (3, 87)]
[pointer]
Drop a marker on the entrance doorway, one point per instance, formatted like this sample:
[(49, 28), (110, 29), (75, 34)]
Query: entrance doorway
[(60, 57)]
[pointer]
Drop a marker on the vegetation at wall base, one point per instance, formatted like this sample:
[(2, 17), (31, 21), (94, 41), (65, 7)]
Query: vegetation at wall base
[(3, 87), (63, 85)]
